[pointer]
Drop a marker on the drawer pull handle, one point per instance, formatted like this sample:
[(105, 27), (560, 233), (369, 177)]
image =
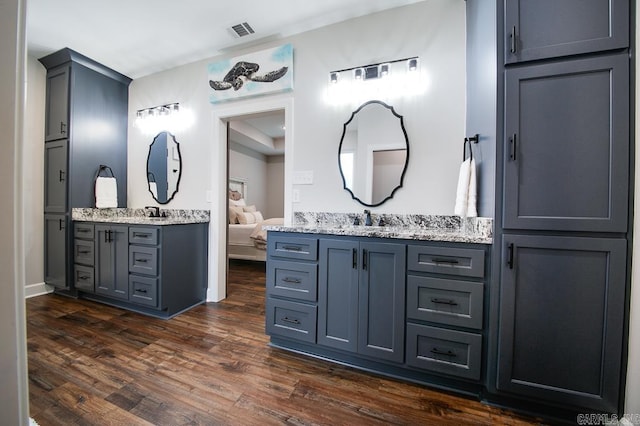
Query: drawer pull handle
[(291, 321), (291, 280), (292, 248), (444, 260), (142, 260), (444, 301), (84, 230), (437, 351), (139, 290), (84, 251), (139, 235), (83, 277)]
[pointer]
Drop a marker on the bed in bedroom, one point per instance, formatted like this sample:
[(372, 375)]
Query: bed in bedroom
[(246, 237)]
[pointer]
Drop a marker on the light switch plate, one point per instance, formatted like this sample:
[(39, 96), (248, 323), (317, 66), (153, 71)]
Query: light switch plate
[(303, 177), (296, 195)]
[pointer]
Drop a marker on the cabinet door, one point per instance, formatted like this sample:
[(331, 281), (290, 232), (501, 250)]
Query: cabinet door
[(562, 319), (381, 297), (112, 261), (57, 104), (538, 29), (55, 249), (55, 177), (566, 159), (338, 294)]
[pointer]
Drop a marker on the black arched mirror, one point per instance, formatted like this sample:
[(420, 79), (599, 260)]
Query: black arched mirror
[(373, 153), (164, 167)]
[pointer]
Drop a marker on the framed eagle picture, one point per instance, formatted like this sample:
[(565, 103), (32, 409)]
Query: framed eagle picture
[(259, 73)]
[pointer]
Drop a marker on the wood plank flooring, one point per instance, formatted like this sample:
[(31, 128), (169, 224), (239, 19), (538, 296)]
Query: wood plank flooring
[(91, 364)]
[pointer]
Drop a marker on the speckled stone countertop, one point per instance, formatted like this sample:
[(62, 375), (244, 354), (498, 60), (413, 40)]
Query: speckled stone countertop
[(407, 227), (140, 216)]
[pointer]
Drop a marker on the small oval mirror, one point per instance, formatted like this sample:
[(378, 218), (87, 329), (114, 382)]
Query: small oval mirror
[(164, 167), (373, 153)]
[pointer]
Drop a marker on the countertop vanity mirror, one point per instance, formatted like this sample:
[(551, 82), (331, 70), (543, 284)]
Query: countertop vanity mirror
[(164, 167), (373, 153)]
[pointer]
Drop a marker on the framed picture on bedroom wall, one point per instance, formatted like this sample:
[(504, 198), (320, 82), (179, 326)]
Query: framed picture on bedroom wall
[(237, 189)]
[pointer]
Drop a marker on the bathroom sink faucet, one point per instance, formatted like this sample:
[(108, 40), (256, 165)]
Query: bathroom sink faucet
[(367, 221), (155, 211)]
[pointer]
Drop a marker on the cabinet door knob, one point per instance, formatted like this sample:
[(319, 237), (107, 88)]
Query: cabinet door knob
[(514, 42), (61, 174), (63, 127)]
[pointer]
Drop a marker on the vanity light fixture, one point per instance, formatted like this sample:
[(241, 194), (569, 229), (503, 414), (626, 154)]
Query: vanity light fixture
[(413, 64), (168, 117), (373, 71)]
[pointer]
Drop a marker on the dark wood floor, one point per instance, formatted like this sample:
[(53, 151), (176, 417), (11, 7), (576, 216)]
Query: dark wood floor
[(90, 364)]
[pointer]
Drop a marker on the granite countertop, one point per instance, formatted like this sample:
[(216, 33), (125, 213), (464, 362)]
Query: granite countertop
[(407, 227), (449, 235), (139, 216)]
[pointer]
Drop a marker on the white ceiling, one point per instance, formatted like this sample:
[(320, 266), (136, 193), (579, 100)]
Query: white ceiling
[(141, 37)]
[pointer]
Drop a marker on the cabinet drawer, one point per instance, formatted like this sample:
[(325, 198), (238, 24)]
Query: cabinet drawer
[(146, 236), (83, 230), (292, 247), (143, 290), (446, 260), (291, 319), (444, 351), (444, 301), (292, 279), (143, 260), (83, 252), (84, 278)]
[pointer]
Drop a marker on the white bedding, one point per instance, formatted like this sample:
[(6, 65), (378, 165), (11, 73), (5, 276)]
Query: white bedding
[(249, 241), (240, 234)]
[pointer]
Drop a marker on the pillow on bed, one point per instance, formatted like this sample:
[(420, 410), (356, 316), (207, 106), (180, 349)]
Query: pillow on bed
[(246, 218), (234, 211), (239, 202), (249, 208)]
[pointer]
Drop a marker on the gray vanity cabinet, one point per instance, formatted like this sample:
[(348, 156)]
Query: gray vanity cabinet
[(112, 261), (560, 308), (55, 191), (80, 93), (55, 244), (536, 29), (562, 319), (566, 160), (361, 293), (57, 104)]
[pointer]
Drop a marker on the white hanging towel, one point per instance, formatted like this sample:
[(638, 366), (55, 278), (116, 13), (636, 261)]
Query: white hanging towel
[(106, 192), (153, 187), (466, 193)]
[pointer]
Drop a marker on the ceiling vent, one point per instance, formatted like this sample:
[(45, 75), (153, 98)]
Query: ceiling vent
[(241, 30)]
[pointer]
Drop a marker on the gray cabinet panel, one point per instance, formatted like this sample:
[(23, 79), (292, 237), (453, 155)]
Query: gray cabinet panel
[(293, 279), (55, 171), (143, 260), (381, 295), (83, 252), (552, 28), (301, 248), (451, 352), (144, 236), (112, 256), (451, 302), (566, 162), (291, 319), (55, 246), (84, 279), (338, 294), (446, 260), (562, 319), (57, 104), (143, 290)]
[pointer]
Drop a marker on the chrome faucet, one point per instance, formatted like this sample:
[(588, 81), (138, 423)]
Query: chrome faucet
[(155, 211), (367, 221)]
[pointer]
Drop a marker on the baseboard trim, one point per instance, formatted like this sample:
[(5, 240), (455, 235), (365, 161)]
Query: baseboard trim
[(37, 289)]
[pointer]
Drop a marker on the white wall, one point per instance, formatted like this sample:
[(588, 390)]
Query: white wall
[(14, 403), (33, 174), (434, 121), (251, 167), (275, 177)]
